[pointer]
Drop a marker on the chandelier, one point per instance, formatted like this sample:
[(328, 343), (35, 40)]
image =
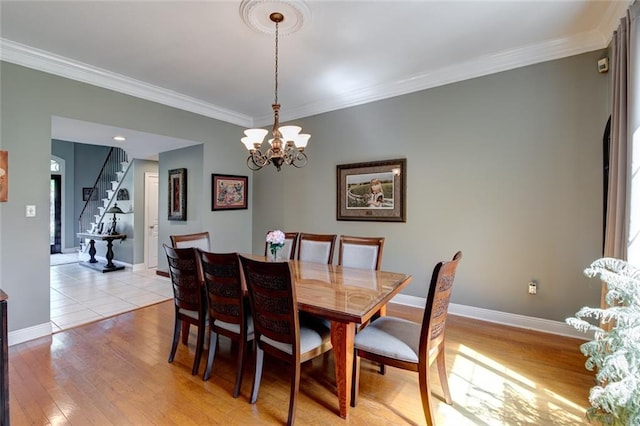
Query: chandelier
[(288, 144)]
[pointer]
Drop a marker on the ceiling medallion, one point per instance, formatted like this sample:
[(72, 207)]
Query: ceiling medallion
[(255, 14)]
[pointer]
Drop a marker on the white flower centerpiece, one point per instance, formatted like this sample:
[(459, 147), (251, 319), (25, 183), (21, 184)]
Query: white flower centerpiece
[(275, 239)]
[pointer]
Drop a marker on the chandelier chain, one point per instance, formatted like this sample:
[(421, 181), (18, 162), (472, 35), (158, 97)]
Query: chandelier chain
[(276, 73)]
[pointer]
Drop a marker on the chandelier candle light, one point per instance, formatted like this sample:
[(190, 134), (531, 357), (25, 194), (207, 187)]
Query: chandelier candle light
[(287, 145), (276, 242)]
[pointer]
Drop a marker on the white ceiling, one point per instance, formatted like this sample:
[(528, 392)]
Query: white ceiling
[(202, 57)]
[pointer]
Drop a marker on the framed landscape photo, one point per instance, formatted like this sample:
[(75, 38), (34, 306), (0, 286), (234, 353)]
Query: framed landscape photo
[(373, 191), (228, 192), (177, 194)]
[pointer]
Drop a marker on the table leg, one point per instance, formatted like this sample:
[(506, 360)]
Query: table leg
[(342, 337), (92, 251), (110, 263)]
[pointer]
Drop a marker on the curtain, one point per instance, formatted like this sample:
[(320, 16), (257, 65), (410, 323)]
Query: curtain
[(615, 241), (622, 231)]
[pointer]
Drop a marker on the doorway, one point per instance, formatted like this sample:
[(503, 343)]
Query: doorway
[(151, 219), (55, 214)]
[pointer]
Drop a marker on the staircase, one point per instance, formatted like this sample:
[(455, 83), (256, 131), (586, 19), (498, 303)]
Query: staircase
[(115, 168)]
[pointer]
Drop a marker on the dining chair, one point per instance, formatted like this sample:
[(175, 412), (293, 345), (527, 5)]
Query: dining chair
[(188, 298), (363, 253), (228, 315), (404, 344), (278, 330), (316, 247), (198, 240), (360, 252), (290, 244)]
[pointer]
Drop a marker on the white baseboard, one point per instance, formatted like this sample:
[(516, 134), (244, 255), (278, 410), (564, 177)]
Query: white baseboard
[(70, 250), (514, 320), (29, 333), (139, 267)]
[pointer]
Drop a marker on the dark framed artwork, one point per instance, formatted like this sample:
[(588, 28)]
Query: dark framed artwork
[(89, 194), (177, 194), (228, 192), (373, 191)]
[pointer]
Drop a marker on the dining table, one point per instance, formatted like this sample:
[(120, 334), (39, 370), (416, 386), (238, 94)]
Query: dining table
[(346, 297)]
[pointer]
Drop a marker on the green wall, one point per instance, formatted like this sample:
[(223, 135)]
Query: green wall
[(506, 168), (29, 99)]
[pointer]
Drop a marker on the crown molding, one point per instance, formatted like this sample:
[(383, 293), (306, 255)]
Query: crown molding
[(41, 60), (611, 18), (489, 64), (481, 66)]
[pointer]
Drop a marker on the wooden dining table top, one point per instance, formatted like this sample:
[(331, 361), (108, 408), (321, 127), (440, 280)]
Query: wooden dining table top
[(342, 294)]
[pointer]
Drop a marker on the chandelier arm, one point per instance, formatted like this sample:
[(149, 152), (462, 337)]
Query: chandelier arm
[(251, 164), (300, 160), (260, 159)]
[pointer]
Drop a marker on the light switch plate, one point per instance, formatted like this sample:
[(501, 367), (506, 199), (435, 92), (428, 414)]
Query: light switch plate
[(30, 211)]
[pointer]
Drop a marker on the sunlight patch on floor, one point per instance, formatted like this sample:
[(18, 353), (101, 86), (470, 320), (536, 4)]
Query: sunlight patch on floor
[(485, 391)]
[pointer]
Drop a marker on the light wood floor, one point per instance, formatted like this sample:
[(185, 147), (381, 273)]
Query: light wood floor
[(115, 372)]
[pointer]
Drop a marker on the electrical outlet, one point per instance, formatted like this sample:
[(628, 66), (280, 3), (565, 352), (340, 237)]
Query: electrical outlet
[(30, 211), (533, 287)]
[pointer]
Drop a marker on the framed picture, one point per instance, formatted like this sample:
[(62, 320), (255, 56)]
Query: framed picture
[(177, 194), (88, 194), (374, 191), (228, 192), (4, 176)]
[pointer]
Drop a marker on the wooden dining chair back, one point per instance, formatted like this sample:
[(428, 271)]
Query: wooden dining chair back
[(316, 247), (360, 252), (290, 244), (228, 315), (404, 344), (188, 297), (199, 240), (278, 331)]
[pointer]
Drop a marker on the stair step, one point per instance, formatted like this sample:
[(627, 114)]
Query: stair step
[(114, 184), (110, 193), (120, 175), (124, 165)]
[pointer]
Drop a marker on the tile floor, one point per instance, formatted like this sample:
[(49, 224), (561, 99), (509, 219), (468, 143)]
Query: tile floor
[(80, 295)]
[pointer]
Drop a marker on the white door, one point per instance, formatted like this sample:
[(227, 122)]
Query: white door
[(151, 219)]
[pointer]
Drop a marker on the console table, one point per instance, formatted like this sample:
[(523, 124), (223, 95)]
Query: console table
[(93, 262), (4, 362)]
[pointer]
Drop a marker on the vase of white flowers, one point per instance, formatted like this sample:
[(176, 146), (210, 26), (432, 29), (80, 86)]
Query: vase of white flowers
[(275, 239)]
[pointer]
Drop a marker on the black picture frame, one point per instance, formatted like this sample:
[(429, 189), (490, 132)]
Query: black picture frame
[(88, 194), (177, 194), (229, 192), (372, 191)]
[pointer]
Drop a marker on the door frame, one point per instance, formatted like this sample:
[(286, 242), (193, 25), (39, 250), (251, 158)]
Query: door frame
[(147, 177), (63, 203)]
